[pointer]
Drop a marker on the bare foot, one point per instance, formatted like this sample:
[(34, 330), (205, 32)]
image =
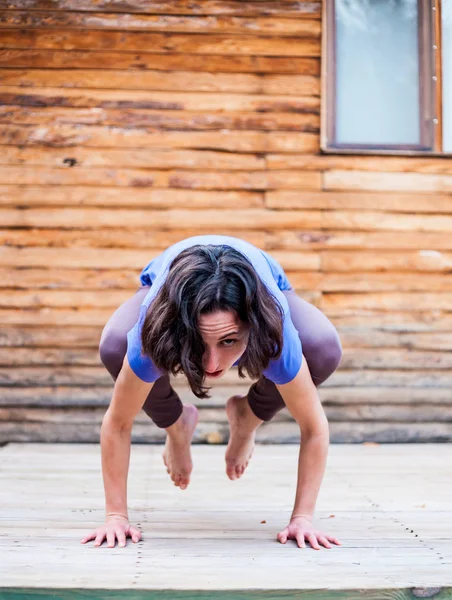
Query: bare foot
[(177, 453), (243, 424)]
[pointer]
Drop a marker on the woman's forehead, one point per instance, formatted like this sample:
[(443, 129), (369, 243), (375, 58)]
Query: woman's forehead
[(219, 322)]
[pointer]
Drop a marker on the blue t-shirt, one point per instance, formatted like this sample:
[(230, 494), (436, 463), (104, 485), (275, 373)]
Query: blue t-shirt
[(281, 370)]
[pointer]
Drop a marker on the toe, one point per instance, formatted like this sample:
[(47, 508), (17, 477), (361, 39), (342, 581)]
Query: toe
[(230, 469), (184, 480)]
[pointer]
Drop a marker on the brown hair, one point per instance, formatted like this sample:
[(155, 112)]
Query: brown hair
[(203, 279)]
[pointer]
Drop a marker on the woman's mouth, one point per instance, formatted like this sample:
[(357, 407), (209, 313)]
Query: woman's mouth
[(214, 374)]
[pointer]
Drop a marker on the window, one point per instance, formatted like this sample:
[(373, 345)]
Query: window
[(387, 74)]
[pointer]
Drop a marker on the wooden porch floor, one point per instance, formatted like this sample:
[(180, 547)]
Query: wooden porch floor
[(390, 505)]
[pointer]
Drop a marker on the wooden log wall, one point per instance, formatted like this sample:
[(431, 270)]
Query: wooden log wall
[(125, 127)]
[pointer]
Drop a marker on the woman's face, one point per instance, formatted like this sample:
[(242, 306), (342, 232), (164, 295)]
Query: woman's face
[(225, 337)]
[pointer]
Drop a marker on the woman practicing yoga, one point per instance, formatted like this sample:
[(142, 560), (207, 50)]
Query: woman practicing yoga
[(206, 304)]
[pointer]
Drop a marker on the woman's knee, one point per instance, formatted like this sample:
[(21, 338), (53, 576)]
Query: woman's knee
[(112, 349), (325, 354)]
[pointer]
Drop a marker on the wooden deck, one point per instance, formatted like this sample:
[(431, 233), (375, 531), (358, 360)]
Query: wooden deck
[(390, 505)]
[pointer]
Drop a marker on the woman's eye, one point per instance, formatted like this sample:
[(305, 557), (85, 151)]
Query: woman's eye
[(229, 345)]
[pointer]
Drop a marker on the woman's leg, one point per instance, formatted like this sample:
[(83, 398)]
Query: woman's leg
[(163, 405), (321, 348)]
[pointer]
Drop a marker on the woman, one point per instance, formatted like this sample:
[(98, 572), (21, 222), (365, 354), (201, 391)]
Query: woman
[(217, 301)]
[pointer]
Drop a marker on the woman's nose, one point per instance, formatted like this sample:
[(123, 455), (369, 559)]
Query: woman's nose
[(211, 362)]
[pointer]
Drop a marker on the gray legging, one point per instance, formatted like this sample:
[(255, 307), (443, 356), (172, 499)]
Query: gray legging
[(320, 342)]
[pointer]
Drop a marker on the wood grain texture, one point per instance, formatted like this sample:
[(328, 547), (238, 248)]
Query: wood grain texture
[(305, 8), (102, 59), (169, 120), (156, 100), (161, 43), (217, 24), (128, 126), (160, 80), (392, 544)]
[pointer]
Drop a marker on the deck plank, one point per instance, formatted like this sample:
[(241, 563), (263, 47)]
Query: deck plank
[(390, 505)]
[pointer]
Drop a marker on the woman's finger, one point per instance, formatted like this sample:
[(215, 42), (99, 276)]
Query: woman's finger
[(135, 534), (121, 537), (313, 540), (300, 540), (88, 537), (99, 538), (334, 540), (111, 538), (282, 536), (322, 540)]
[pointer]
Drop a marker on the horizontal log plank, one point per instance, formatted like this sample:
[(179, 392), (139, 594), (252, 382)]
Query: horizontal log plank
[(286, 8), (89, 218), (354, 413), (18, 357), (78, 257), (404, 322), (43, 278), (137, 99), (106, 238), (340, 433), (409, 378), (61, 337), (196, 43), (385, 221), (352, 239), (408, 322), (204, 220), (56, 317), (274, 433), (387, 182), (167, 120), (423, 260), (140, 158), (388, 301), (84, 177), (389, 281), (54, 278), (351, 337), (302, 260), (360, 338), (293, 241), (407, 203), (103, 59), (85, 376), (116, 197), (65, 299), (359, 164), (88, 376), (400, 358), (116, 258), (353, 358), (62, 396), (155, 80), (209, 25), (68, 136)]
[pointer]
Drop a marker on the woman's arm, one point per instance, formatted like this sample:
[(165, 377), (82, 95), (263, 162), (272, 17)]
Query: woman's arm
[(129, 395), (301, 398)]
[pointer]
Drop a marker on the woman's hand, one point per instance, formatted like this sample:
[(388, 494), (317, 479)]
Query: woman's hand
[(300, 528), (114, 527)]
